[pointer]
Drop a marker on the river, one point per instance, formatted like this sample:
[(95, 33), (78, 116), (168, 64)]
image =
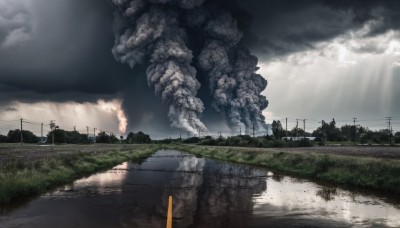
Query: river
[(206, 193)]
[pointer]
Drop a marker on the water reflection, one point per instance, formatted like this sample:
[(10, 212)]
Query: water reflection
[(327, 194), (207, 193), (296, 201), (216, 197)]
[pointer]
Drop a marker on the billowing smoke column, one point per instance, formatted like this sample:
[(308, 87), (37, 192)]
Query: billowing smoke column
[(155, 32)]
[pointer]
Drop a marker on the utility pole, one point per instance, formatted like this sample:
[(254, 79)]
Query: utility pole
[(304, 126), (389, 119), (220, 134), (253, 131), (21, 132), (180, 136), (41, 133), (240, 130), (53, 128), (322, 131), (286, 128), (297, 126), (94, 138), (322, 127), (199, 132), (267, 130)]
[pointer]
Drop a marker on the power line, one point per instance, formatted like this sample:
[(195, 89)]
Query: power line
[(9, 121)]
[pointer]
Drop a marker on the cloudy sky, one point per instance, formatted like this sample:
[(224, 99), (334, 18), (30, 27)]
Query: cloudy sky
[(322, 60)]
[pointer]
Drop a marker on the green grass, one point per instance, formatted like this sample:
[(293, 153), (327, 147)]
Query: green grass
[(21, 179), (361, 172)]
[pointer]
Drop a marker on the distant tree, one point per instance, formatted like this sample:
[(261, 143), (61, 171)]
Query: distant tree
[(103, 137), (332, 132), (397, 137), (381, 136), (60, 136), (74, 137), (3, 139), (349, 132), (138, 138), (113, 139), (192, 140), (277, 129), (298, 132), (328, 132), (319, 133), (14, 136)]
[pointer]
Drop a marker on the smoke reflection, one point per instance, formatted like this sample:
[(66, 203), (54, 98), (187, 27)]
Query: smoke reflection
[(205, 193), (209, 193)]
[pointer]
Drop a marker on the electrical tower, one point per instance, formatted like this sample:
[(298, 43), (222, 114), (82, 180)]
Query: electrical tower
[(21, 131)]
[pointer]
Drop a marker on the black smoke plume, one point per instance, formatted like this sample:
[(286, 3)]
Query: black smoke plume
[(158, 33)]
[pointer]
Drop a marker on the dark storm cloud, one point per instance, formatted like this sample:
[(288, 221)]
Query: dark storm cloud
[(60, 50), (281, 27), (68, 52), (68, 58), (15, 23)]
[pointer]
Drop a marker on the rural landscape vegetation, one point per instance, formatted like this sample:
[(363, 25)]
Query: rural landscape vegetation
[(351, 156), (199, 113)]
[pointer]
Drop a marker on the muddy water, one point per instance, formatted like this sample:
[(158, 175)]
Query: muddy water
[(206, 193)]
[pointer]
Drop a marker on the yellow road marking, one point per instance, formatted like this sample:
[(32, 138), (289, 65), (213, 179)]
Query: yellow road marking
[(169, 215)]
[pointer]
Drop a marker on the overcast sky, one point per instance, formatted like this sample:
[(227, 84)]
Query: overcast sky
[(322, 59)]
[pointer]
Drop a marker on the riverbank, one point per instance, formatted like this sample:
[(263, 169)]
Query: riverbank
[(348, 170), (26, 171)]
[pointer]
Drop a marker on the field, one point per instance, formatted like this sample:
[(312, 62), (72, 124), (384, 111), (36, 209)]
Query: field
[(29, 170), (388, 152), (29, 153)]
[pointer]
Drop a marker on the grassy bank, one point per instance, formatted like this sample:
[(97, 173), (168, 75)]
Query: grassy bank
[(21, 178), (361, 172)]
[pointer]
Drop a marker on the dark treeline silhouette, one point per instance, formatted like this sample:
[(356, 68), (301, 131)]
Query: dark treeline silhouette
[(137, 138), (73, 137), (62, 136), (296, 137), (330, 132), (241, 141), (14, 136)]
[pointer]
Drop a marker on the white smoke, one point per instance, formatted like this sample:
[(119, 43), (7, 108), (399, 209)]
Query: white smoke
[(115, 106)]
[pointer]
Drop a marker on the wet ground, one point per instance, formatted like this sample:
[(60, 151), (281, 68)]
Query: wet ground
[(206, 193)]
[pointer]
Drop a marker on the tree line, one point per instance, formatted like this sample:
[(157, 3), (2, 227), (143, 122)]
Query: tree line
[(330, 132), (72, 137), (297, 137)]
